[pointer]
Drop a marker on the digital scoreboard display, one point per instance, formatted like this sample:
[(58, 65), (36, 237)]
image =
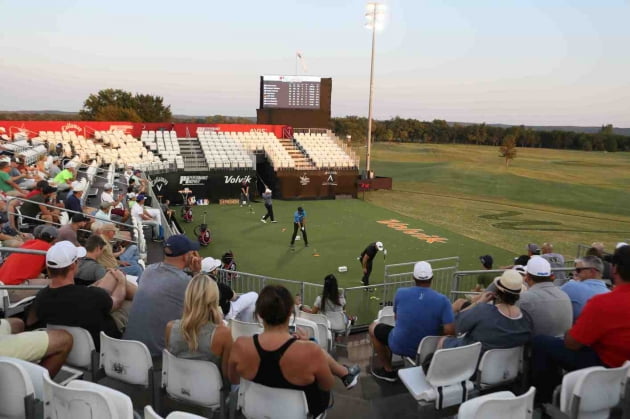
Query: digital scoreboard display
[(290, 92)]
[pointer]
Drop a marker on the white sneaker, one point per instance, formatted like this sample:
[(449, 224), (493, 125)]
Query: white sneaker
[(262, 220), (274, 221)]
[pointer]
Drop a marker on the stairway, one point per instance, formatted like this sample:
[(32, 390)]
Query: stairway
[(302, 162), (193, 156)]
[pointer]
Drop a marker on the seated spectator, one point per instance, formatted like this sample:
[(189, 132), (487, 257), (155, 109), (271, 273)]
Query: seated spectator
[(485, 279), (90, 270), (101, 307), (147, 216), (73, 201), (7, 185), (27, 269), (54, 169), (597, 249), (556, 260), (234, 306), (63, 180), (125, 259), (168, 212), (200, 333), (549, 308), (49, 348), (587, 283), (19, 173), (498, 325), (420, 311), (69, 231), (331, 300), (103, 212), (34, 208), (228, 267), (160, 296), (117, 206), (599, 337), (275, 358), (533, 250)]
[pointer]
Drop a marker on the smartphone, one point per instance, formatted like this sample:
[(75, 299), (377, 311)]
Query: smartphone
[(292, 329)]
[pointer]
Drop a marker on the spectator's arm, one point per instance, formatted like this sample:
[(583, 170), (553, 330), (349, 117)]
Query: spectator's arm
[(235, 359), (571, 343), (448, 329)]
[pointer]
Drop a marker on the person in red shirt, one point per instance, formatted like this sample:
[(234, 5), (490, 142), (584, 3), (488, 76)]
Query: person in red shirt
[(24, 268), (599, 337)]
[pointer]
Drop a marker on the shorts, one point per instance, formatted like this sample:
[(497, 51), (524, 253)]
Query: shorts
[(382, 331), (28, 346)]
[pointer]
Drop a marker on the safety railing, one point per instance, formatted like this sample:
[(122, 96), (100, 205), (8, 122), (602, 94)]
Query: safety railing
[(7, 308), (168, 231), (401, 275)]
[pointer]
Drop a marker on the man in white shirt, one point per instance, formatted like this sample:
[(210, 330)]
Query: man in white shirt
[(117, 206), (149, 216)]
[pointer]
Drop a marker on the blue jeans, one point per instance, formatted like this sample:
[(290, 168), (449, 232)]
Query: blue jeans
[(549, 357), (131, 255)]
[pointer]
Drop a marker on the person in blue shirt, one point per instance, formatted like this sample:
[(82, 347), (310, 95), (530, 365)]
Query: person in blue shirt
[(299, 223), (587, 283), (419, 311)]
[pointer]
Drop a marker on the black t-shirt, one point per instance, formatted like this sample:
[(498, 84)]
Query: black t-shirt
[(80, 306), (225, 297), (371, 251), (31, 209)]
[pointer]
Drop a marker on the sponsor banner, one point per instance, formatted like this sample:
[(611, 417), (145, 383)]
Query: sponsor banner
[(317, 184), (219, 186)]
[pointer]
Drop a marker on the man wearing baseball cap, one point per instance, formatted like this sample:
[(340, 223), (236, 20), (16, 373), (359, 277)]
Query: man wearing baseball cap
[(160, 296), (366, 259), (420, 311), (116, 204), (101, 307), (144, 216), (549, 307), (69, 231)]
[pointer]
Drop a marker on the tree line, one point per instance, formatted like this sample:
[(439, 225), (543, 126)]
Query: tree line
[(440, 132)]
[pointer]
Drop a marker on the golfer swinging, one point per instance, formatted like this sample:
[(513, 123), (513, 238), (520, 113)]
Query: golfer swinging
[(366, 258), (299, 222)]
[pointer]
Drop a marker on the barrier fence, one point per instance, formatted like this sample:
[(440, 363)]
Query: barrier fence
[(401, 275)]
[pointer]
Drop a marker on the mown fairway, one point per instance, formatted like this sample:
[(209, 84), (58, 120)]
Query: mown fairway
[(463, 194)]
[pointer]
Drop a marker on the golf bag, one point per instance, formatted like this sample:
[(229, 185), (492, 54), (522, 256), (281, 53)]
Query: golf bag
[(203, 232), (187, 213)]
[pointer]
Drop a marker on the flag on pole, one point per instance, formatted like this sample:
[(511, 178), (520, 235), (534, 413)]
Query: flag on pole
[(299, 54)]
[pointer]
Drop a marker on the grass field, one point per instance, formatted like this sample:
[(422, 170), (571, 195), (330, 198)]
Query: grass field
[(463, 194)]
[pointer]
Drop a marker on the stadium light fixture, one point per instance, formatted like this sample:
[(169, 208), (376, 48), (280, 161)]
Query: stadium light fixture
[(375, 21)]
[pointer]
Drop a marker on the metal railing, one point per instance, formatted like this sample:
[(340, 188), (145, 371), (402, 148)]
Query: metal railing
[(401, 275)]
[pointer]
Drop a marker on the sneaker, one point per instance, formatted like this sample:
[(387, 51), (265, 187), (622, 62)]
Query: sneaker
[(262, 220), (353, 319), (273, 221), (352, 378), (381, 374)]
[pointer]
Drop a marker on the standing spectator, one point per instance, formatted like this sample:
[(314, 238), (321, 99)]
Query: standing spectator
[(586, 284), (600, 336), (549, 307), (49, 348), (160, 297), (90, 270), (269, 206), (299, 223), (27, 269), (556, 260), (69, 231), (367, 258), (101, 307), (420, 311), (200, 333)]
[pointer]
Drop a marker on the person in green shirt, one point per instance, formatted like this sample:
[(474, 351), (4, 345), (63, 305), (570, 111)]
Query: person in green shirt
[(65, 177), (7, 185)]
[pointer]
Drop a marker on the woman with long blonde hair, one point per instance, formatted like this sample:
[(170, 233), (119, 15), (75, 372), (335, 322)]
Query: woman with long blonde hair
[(200, 333)]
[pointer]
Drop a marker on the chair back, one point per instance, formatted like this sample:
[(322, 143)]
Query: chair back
[(323, 325), (70, 403), (386, 311), (499, 366), (121, 402), (426, 347), (192, 381), (261, 402), (15, 388), (455, 365), (590, 393), (126, 360), (82, 347), (240, 328), (310, 327), (338, 321), (150, 413), (502, 404)]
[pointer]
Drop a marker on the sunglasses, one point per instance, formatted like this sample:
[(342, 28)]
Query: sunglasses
[(578, 270)]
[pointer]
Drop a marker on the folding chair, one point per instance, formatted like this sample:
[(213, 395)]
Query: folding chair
[(21, 389), (323, 325), (83, 354), (502, 404), (240, 328), (149, 413), (499, 367)]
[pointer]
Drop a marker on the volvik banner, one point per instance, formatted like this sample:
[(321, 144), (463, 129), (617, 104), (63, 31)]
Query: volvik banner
[(212, 186)]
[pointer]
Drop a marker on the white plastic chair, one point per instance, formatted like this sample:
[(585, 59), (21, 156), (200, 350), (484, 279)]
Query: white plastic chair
[(240, 328), (310, 327), (502, 404), (256, 401), (83, 354), (10, 309), (447, 382), (339, 326), (426, 347), (76, 403), (122, 403), (21, 388), (590, 393), (149, 413), (129, 361), (499, 367), (324, 328), (193, 381)]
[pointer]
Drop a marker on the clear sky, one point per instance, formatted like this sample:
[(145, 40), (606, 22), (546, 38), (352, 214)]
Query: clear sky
[(543, 62)]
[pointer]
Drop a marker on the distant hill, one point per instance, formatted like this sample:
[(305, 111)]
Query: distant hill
[(586, 130)]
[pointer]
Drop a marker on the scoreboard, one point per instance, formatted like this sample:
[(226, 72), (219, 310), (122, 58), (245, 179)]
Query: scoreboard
[(290, 92)]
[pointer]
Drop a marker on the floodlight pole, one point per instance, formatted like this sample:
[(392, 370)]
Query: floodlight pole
[(371, 100)]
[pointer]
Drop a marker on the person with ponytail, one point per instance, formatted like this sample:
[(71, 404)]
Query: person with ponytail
[(331, 300), (201, 334)]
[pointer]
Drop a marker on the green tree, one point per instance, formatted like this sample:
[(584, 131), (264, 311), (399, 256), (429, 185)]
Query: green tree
[(116, 113), (117, 102), (151, 108), (508, 149)]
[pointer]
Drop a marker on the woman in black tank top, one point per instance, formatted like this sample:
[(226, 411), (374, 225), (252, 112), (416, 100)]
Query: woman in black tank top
[(277, 359)]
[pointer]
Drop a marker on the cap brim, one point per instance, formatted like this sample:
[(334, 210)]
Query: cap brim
[(194, 245)]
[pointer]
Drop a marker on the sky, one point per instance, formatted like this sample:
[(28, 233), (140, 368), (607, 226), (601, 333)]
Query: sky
[(532, 62)]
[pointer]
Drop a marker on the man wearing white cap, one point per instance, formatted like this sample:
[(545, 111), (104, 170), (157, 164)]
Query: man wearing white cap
[(366, 259), (73, 201), (97, 308), (234, 306), (64, 179), (420, 311), (116, 204), (549, 307)]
